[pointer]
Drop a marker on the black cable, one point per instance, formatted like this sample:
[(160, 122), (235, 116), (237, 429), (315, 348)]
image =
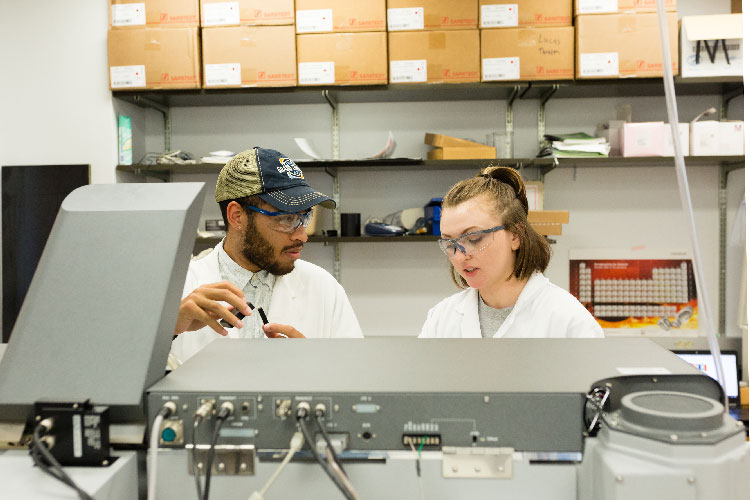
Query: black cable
[(220, 418), (311, 443), (49, 464), (321, 428), (196, 423)]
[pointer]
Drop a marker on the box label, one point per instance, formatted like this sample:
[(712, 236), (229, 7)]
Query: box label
[(129, 14), (217, 14), (406, 19), (317, 73), (600, 64), (314, 20), (501, 68), (596, 6), (409, 71), (127, 76), (497, 15), (223, 74)]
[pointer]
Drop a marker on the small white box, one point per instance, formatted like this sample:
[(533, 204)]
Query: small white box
[(642, 139), (704, 138), (711, 45), (732, 138), (684, 129)]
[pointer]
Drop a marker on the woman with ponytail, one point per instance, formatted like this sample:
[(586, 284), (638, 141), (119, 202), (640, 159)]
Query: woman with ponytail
[(498, 259)]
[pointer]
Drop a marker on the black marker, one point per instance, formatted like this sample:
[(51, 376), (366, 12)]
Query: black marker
[(263, 315), (237, 314)]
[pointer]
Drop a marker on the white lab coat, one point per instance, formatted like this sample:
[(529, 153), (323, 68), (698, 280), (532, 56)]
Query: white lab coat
[(543, 310), (308, 298)]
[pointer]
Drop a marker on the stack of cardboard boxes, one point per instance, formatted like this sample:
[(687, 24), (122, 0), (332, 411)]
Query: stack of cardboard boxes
[(528, 40), (248, 43), (433, 41), (153, 44), (620, 38), (341, 42)]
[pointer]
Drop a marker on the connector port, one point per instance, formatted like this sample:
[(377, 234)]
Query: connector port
[(429, 440)]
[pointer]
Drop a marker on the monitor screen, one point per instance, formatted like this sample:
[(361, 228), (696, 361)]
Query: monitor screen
[(705, 362)]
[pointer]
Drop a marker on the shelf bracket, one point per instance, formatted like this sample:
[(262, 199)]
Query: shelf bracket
[(541, 117), (724, 169), (166, 115), (509, 121), (335, 144), (725, 98)]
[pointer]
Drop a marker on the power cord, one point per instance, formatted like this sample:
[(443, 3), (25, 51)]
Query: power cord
[(200, 415), (303, 410), (294, 446), (225, 411), (319, 416), (46, 462), (167, 410)]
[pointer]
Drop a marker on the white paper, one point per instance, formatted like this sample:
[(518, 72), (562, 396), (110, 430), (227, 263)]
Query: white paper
[(600, 64), (643, 370), (221, 13), (127, 76), (497, 15), (596, 6), (501, 68), (411, 18), (128, 14), (223, 74), (317, 73), (385, 152), (409, 71), (314, 20)]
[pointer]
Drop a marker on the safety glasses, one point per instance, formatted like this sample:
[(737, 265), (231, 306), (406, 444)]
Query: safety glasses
[(287, 222), (470, 243)]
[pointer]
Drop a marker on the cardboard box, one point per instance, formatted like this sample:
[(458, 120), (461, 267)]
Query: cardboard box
[(499, 14), (154, 58), (342, 59), (732, 138), (528, 54), (684, 129), (704, 138), (323, 16), (462, 153), (434, 56), (442, 141), (249, 56), (642, 139), (409, 15), (247, 12), (711, 45), (153, 14), (620, 6), (622, 45)]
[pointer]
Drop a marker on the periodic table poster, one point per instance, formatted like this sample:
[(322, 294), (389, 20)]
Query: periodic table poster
[(652, 292)]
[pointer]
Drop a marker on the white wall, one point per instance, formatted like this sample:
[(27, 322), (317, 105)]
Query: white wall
[(390, 285)]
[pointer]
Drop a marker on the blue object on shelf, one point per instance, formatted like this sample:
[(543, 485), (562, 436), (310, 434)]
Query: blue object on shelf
[(432, 212)]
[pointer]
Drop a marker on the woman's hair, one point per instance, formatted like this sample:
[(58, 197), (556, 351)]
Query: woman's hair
[(504, 189)]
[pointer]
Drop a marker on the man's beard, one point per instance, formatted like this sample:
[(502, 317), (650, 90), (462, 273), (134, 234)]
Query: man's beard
[(260, 252)]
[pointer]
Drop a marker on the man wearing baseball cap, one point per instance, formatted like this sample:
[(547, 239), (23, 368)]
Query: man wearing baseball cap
[(266, 204)]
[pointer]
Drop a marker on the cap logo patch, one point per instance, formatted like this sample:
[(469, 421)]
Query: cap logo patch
[(290, 168)]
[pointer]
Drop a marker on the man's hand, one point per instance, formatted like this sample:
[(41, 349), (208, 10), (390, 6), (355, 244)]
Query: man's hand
[(278, 331), (202, 308)]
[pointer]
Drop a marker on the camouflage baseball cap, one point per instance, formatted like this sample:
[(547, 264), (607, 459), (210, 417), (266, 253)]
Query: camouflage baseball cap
[(273, 177)]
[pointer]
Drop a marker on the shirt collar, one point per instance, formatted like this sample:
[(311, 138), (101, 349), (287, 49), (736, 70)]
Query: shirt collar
[(240, 276)]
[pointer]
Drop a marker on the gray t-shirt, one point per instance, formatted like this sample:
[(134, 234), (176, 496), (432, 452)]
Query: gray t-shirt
[(490, 318), (257, 287)]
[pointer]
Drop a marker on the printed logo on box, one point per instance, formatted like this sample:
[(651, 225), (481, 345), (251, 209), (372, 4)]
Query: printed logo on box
[(127, 76), (317, 73), (596, 6), (406, 19), (223, 74), (221, 13), (314, 20), (409, 71), (499, 15), (129, 14), (600, 64), (501, 68)]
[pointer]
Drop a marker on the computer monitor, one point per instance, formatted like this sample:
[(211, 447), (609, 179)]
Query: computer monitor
[(704, 361)]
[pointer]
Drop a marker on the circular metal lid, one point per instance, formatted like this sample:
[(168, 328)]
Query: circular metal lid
[(674, 411)]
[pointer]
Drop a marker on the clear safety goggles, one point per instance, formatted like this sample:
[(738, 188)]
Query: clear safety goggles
[(470, 243), (286, 222)]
